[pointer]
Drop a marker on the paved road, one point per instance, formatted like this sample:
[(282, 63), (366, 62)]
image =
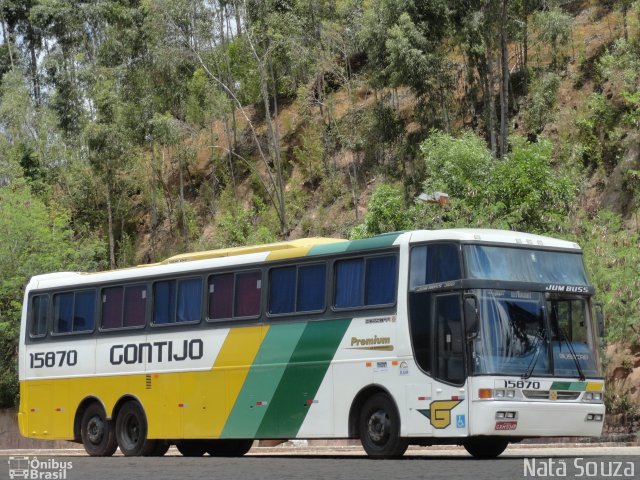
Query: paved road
[(347, 464)]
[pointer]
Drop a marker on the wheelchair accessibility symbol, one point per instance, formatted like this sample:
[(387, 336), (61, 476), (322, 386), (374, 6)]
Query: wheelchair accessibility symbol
[(460, 421)]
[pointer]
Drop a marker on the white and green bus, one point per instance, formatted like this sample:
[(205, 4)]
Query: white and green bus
[(470, 337)]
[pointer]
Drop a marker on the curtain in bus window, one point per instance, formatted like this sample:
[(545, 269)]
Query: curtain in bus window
[(63, 312), (135, 303), (112, 307), (311, 287), (349, 279), (189, 300), (282, 290), (380, 281), (247, 302), (84, 311), (221, 296), (164, 302), (40, 308)]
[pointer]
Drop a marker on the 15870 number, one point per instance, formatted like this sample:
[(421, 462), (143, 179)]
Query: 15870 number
[(52, 359), (521, 384)]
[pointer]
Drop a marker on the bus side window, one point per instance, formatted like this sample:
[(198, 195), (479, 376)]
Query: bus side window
[(84, 311), (39, 315), (135, 306), (247, 298), (189, 300), (111, 307), (434, 263), (221, 296), (63, 312), (365, 282)]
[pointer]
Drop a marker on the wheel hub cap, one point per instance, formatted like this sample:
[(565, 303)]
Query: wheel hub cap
[(95, 429), (378, 426)]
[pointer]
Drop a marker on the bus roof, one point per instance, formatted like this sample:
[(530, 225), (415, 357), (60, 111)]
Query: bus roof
[(304, 247)]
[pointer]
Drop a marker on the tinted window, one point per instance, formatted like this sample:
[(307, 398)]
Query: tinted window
[(63, 312), (135, 306), (112, 307), (74, 312), (84, 311), (247, 301), (221, 296), (297, 289), (361, 282), (435, 263), (39, 315), (177, 301)]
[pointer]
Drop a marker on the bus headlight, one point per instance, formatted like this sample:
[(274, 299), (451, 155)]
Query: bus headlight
[(592, 396)]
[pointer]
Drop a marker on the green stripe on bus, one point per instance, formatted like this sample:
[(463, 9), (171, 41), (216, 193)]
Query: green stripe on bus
[(302, 378), (570, 386), (379, 241), (262, 380)]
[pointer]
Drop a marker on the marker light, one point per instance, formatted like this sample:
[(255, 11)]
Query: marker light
[(511, 393), (485, 393), (498, 393)]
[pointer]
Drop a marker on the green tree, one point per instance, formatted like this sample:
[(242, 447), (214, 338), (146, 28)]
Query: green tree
[(34, 239), (386, 212)]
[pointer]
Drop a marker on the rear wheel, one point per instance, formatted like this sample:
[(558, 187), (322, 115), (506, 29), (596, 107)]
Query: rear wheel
[(192, 448), (98, 434), (485, 447), (229, 448), (379, 428), (131, 431)]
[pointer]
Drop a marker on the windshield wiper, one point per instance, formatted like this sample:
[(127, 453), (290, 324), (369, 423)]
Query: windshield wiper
[(540, 338), (573, 353)]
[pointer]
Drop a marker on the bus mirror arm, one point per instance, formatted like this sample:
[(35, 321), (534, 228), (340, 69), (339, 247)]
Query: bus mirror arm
[(471, 315), (599, 318)]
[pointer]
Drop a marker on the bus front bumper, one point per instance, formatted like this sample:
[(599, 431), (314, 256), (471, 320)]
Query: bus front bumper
[(536, 419)]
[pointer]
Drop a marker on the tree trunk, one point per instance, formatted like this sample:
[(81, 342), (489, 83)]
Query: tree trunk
[(275, 134), (33, 64), (7, 39), (504, 81), (112, 245), (491, 104)]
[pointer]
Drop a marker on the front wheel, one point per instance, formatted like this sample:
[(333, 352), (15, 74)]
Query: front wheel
[(485, 447), (98, 435), (379, 428), (131, 431)]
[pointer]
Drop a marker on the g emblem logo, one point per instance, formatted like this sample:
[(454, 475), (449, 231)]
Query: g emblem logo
[(441, 412)]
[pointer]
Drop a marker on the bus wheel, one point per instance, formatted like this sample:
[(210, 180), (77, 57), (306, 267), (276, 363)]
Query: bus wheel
[(379, 428), (229, 448), (131, 431), (98, 435), (192, 448), (162, 446), (485, 447)]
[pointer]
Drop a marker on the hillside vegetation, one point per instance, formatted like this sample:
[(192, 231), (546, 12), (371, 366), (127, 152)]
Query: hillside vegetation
[(134, 130)]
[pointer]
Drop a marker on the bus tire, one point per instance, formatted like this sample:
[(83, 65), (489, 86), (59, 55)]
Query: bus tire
[(98, 433), (229, 448), (131, 431), (379, 428), (192, 448), (485, 447)]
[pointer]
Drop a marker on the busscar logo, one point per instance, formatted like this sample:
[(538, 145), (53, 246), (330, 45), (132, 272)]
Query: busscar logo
[(36, 469)]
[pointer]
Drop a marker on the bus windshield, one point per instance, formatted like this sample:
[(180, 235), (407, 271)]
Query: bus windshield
[(524, 265), (517, 330)]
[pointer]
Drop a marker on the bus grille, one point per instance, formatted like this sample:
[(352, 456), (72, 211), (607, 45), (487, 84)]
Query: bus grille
[(544, 395)]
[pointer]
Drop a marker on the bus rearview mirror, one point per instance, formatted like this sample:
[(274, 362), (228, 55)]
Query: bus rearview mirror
[(599, 318), (471, 315)]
